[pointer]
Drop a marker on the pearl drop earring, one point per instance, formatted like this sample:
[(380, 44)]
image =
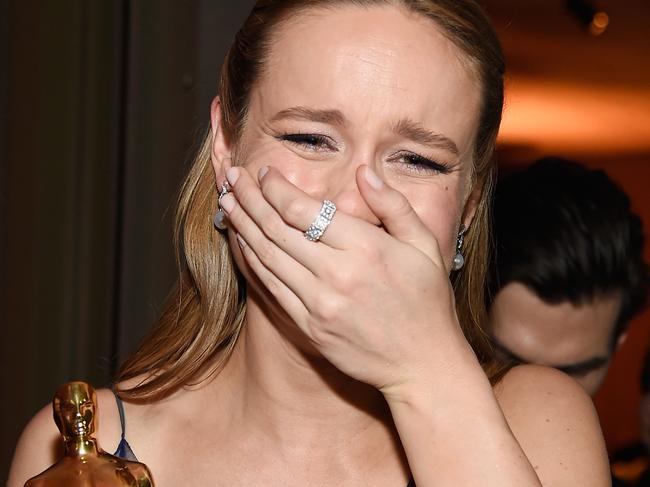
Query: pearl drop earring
[(220, 217), (459, 260)]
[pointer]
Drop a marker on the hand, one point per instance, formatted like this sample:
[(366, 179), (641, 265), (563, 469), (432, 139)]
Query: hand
[(377, 303)]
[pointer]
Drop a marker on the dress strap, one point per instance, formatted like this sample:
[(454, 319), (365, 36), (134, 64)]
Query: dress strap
[(123, 449), (120, 409)]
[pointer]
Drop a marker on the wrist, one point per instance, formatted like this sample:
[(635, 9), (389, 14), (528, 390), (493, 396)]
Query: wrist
[(453, 371)]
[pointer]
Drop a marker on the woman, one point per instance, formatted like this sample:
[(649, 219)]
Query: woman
[(343, 358)]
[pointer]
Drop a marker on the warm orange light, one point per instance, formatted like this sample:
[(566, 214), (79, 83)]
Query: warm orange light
[(599, 23), (566, 117)]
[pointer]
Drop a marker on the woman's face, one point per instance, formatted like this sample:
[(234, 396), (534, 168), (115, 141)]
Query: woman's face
[(376, 86)]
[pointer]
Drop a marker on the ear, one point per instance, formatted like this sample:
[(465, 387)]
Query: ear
[(220, 152), (621, 340), (472, 204)]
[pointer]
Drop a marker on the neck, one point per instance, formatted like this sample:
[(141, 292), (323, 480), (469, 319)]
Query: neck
[(295, 398), (80, 446)]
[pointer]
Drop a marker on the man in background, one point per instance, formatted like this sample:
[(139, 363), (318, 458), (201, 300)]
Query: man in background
[(568, 274)]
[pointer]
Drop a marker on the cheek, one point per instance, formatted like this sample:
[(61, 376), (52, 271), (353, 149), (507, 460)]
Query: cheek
[(440, 209), (254, 152), (261, 150)]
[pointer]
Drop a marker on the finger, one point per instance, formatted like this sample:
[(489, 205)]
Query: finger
[(285, 297), (396, 213), (300, 210), (282, 265), (249, 196)]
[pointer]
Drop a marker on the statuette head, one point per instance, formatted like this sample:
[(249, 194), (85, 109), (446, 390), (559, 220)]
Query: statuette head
[(74, 409)]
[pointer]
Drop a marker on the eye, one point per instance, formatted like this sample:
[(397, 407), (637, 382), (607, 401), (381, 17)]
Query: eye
[(310, 142), (419, 164), (576, 372)]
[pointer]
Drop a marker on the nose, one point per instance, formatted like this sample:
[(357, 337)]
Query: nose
[(342, 189), (350, 202)]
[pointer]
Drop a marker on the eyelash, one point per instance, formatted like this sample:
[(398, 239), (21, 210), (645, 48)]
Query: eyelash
[(318, 143), (423, 164), (310, 142), (577, 372)]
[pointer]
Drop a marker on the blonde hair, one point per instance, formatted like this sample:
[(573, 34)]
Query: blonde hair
[(204, 314)]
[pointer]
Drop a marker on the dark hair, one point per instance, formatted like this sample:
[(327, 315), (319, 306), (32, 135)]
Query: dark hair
[(568, 233)]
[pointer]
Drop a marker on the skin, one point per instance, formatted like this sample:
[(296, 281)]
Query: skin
[(352, 368), (574, 339)]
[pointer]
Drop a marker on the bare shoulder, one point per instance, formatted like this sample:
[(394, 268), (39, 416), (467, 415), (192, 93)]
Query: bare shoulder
[(555, 422), (39, 445)]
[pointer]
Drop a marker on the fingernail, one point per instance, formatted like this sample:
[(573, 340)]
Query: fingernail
[(240, 241), (372, 178), (232, 175), (227, 202), (262, 172)]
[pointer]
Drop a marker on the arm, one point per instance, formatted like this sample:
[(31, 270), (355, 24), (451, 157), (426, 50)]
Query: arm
[(377, 303), (539, 429), (39, 447), (40, 444)]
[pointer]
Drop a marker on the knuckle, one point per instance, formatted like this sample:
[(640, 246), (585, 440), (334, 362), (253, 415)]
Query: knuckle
[(234, 215), (273, 286), (344, 279), (402, 205), (272, 226), (294, 211), (328, 308), (318, 334), (266, 252), (372, 254), (245, 197), (268, 187)]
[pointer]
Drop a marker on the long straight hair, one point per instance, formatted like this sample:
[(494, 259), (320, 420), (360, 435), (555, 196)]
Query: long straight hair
[(205, 312)]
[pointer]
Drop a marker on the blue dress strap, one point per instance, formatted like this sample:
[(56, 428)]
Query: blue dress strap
[(123, 449)]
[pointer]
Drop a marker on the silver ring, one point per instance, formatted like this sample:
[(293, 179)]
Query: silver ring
[(321, 222)]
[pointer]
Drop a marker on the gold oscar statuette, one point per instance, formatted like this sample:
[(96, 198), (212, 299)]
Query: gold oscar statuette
[(84, 463)]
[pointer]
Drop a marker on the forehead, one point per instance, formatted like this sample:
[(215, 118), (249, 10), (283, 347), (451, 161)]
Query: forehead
[(375, 64), (553, 334)]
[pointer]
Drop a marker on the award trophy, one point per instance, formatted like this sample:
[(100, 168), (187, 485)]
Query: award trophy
[(84, 463)]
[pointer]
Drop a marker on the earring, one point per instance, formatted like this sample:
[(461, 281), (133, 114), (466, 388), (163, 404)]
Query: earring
[(220, 217), (459, 261)]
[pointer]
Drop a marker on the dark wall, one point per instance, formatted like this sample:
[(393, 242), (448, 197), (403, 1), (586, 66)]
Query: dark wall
[(101, 105)]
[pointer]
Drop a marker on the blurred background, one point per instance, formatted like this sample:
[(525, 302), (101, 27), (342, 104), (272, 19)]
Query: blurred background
[(103, 102)]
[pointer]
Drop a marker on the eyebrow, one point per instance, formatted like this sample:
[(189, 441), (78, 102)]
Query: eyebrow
[(578, 368), (331, 117), (406, 128), (411, 130)]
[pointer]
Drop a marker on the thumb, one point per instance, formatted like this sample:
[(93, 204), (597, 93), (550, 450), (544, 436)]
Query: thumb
[(396, 213)]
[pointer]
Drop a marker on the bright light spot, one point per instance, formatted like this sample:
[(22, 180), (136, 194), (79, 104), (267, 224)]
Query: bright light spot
[(599, 24)]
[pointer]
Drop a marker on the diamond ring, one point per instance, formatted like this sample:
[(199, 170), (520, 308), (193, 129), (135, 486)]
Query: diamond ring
[(321, 222)]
